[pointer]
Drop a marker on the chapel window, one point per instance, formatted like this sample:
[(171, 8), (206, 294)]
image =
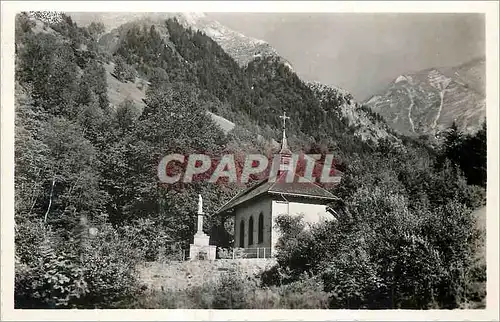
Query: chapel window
[(261, 229), (250, 231), (242, 233)]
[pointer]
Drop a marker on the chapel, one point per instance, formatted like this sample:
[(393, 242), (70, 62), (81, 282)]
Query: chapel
[(256, 208)]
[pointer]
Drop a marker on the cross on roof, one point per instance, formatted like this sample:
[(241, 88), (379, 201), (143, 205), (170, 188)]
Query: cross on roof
[(284, 117)]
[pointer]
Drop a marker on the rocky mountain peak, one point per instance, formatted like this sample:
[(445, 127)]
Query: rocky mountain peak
[(429, 101), (242, 48)]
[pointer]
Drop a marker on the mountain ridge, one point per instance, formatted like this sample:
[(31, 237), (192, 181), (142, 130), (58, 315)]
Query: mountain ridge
[(369, 127), (241, 47), (430, 100)]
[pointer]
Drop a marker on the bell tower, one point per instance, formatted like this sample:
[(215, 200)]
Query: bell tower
[(285, 153)]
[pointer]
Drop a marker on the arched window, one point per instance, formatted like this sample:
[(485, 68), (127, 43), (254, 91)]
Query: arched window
[(250, 231), (242, 233), (261, 229)]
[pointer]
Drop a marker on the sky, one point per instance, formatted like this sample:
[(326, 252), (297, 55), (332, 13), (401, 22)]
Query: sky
[(364, 52)]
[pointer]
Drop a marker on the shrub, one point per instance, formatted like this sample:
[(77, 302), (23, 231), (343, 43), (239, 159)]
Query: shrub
[(273, 276), (350, 279), (123, 71), (304, 294), (147, 238), (110, 270), (54, 280), (89, 272), (198, 297), (29, 235), (230, 291), (236, 291)]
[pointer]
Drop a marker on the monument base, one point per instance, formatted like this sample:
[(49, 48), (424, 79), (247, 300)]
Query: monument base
[(200, 252), (200, 248)]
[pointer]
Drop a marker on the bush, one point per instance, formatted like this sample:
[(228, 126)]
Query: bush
[(349, 280), (304, 294), (273, 276), (147, 238), (89, 272), (230, 291), (54, 280), (123, 71), (29, 235), (110, 270)]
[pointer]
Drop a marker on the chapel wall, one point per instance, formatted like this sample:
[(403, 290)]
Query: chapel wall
[(244, 212)]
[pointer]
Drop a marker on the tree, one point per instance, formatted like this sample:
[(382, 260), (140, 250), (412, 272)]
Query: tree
[(49, 66), (120, 70), (93, 82), (126, 114), (31, 155), (96, 29), (468, 151), (453, 142), (72, 189)]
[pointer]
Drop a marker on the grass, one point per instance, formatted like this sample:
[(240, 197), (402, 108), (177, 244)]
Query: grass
[(180, 275), (119, 91), (235, 288)]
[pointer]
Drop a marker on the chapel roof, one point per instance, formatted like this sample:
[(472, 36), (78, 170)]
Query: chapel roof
[(280, 187)]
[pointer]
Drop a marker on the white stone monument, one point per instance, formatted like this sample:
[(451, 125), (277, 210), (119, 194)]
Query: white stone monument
[(200, 248)]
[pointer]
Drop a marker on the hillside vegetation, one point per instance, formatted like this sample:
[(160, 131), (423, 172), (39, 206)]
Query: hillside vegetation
[(89, 209)]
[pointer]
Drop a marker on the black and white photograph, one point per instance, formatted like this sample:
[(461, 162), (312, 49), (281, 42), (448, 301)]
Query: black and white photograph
[(224, 161)]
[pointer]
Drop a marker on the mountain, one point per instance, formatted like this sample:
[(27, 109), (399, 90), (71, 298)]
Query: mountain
[(117, 91), (241, 48), (252, 55), (260, 69), (245, 50), (429, 101)]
